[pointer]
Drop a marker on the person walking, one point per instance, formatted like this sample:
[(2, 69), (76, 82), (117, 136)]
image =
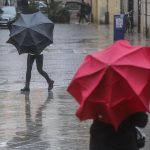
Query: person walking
[(39, 63), (82, 15), (104, 137), (88, 12), (6, 3)]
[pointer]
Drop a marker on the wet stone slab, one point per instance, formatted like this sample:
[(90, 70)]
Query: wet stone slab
[(41, 120)]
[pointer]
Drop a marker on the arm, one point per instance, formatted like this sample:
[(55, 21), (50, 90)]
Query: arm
[(139, 119)]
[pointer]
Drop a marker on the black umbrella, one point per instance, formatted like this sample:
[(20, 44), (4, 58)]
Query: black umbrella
[(31, 33)]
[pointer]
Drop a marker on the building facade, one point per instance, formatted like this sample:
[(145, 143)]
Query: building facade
[(145, 17), (103, 12), (105, 8)]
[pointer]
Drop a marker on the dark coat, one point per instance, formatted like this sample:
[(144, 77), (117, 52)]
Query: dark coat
[(83, 8), (104, 137)]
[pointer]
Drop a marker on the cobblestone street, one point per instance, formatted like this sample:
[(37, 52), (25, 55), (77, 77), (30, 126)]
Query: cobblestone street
[(42, 120)]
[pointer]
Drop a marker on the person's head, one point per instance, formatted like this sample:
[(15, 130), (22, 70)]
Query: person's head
[(82, 0)]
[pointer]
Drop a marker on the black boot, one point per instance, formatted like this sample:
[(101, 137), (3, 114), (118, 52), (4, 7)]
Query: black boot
[(26, 88), (50, 87)]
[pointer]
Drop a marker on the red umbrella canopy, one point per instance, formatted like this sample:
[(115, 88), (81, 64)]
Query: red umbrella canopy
[(112, 84)]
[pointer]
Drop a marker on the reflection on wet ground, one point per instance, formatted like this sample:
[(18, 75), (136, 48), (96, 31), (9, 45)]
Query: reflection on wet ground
[(31, 137), (41, 120)]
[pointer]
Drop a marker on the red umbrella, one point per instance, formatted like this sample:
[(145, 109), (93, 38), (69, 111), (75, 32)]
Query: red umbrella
[(112, 84)]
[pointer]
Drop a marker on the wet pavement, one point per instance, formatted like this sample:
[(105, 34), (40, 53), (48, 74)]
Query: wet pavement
[(42, 120)]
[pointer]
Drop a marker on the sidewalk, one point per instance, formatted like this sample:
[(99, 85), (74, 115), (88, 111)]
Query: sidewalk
[(41, 120)]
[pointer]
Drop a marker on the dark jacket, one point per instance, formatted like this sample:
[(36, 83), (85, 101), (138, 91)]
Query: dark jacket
[(104, 137), (83, 8)]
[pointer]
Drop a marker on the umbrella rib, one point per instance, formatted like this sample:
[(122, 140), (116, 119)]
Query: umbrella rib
[(87, 75), (95, 86), (99, 69), (128, 54), (131, 85), (39, 41), (32, 28), (40, 33), (125, 80), (97, 59), (34, 39), (13, 34), (111, 115), (21, 42), (40, 24), (145, 106), (131, 65), (21, 25), (128, 83), (147, 69)]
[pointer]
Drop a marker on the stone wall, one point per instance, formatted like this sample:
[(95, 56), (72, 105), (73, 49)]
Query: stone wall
[(143, 17), (1, 2), (99, 8)]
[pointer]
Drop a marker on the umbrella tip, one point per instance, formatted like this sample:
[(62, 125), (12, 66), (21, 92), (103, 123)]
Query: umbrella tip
[(100, 116)]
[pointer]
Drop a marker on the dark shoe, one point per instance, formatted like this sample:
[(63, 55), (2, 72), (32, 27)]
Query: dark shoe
[(25, 89), (50, 85)]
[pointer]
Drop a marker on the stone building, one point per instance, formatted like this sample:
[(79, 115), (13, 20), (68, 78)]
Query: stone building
[(145, 17), (10, 2), (103, 12)]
